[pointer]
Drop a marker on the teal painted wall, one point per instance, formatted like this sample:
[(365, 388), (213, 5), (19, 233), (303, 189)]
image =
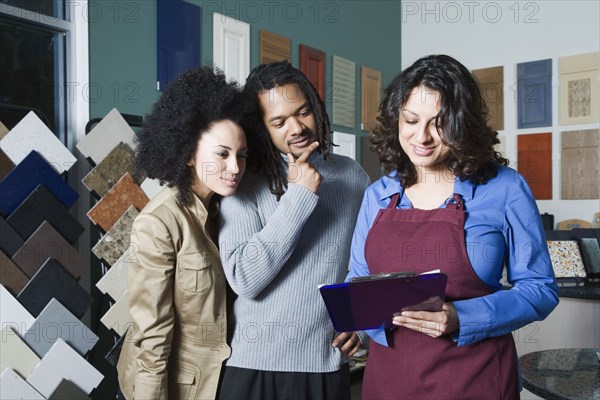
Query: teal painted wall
[(123, 43)]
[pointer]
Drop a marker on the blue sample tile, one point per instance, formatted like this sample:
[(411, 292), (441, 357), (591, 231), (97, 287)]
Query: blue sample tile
[(10, 241), (29, 173), (40, 206), (52, 281)]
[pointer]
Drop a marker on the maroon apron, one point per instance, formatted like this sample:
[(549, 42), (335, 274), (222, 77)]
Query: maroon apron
[(417, 366)]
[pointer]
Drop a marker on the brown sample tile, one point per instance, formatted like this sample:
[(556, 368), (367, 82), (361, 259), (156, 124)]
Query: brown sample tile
[(104, 175), (114, 243), (47, 242), (11, 277), (111, 207), (6, 164), (534, 160)]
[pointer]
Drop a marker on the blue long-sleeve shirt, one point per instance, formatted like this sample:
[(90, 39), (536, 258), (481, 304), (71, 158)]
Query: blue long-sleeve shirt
[(502, 224)]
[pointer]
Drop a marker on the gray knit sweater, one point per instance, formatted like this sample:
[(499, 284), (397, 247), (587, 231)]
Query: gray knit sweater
[(275, 254)]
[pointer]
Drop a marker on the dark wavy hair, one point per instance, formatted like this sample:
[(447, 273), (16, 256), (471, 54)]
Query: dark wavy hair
[(266, 77), (462, 121), (189, 106)]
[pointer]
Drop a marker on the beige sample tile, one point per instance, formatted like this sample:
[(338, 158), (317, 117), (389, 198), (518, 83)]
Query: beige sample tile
[(111, 130), (117, 317), (15, 354)]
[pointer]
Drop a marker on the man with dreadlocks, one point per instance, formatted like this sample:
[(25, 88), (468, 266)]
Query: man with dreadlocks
[(287, 231)]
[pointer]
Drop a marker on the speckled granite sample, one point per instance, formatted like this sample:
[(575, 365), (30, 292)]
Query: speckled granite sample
[(114, 281), (34, 170), (40, 206), (47, 242), (105, 136), (110, 208), (12, 386), (116, 241), (11, 276), (52, 281), (6, 164), (117, 317), (104, 175), (10, 240), (16, 354), (54, 322), (562, 373), (566, 259), (32, 134)]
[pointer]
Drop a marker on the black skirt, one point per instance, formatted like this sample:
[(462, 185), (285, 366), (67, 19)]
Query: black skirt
[(241, 383)]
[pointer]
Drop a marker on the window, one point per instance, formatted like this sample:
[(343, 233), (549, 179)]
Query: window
[(44, 47)]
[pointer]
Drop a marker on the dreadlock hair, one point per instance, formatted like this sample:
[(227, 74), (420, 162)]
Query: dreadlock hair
[(189, 106), (461, 121), (264, 78)]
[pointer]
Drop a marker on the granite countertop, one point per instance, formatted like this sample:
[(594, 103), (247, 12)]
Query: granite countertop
[(586, 290), (562, 373), (590, 291)]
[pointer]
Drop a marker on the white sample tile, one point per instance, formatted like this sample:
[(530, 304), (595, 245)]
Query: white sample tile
[(12, 386), (54, 322), (105, 136), (151, 187), (12, 313), (117, 317), (114, 281), (62, 362), (15, 354), (32, 134)]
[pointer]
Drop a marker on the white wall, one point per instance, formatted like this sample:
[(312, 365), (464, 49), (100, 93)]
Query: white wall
[(483, 34)]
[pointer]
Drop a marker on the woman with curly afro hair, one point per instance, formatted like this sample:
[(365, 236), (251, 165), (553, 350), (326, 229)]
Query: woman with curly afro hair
[(449, 202), (193, 143)]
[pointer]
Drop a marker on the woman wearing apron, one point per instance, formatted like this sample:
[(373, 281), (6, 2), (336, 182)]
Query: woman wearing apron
[(449, 202)]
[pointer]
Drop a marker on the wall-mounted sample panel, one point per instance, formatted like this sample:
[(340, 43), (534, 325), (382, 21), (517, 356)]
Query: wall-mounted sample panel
[(178, 31), (231, 47), (534, 99), (534, 161), (343, 92), (578, 89), (274, 47), (370, 97), (491, 82), (580, 163), (312, 63)]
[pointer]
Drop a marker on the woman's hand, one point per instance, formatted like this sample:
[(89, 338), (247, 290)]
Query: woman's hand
[(347, 342), (434, 324)]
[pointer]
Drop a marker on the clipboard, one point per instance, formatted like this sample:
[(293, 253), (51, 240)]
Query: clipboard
[(371, 303)]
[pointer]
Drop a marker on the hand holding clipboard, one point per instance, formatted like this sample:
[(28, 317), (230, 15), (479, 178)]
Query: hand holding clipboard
[(370, 302)]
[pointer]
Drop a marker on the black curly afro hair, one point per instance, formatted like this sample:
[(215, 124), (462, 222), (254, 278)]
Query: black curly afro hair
[(189, 106)]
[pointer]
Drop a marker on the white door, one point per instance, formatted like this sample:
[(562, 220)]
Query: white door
[(231, 47)]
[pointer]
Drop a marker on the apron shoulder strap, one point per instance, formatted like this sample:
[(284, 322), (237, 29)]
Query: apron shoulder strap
[(394, 201), (455, 202)]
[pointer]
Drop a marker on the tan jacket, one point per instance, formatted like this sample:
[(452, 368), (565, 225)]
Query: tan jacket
[(176, 286)]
